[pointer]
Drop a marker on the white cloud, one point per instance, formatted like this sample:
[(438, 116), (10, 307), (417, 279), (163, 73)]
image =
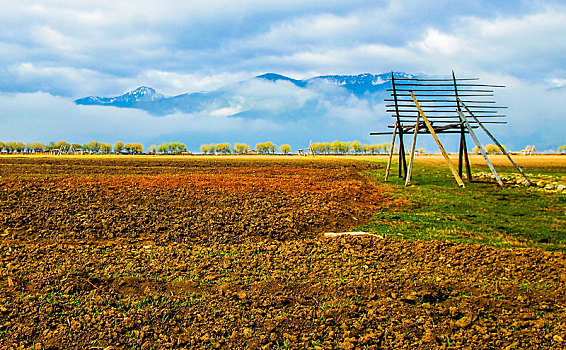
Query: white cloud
[(174, 83), (275, 97), (43, 117), (226, 111), (557, 82)]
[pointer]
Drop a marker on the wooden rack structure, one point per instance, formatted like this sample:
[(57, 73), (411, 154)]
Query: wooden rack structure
[(442, 106)]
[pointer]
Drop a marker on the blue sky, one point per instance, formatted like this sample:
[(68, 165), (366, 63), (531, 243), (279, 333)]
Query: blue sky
[(53, 52)]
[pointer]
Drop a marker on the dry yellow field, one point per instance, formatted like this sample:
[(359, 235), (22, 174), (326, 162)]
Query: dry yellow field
[(534, 161), (553, 161)]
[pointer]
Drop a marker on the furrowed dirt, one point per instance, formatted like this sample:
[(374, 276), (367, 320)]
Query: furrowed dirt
[(159, 253)]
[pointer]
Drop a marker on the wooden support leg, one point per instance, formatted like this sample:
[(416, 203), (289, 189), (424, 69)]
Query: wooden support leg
[(391, 152), (461, 151), (497, 143), (404, 161), (411, 159), (442, 150), (477, 141), (401, 152), (467, 159)]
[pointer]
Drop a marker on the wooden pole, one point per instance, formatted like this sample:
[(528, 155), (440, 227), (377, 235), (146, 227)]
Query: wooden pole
[(442, 150), (391, 152), (411, 159), (402, 158), (462, 131), (402, 161), (467, 159), (497, 143), (477, 141), (461, 152)]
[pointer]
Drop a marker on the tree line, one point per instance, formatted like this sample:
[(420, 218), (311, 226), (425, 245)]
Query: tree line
[(167, 148), (335, 147), (66, 147), (242, 148), (341, 147)]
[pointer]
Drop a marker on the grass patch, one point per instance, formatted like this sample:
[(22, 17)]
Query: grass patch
[(480, 213)]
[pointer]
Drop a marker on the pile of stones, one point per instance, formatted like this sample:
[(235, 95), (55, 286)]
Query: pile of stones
[(542, 182)]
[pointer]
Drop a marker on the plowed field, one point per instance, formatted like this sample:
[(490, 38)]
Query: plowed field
[(201, 253)]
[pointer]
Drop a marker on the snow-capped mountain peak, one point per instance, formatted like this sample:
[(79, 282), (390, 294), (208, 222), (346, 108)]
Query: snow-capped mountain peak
[(130, 98)]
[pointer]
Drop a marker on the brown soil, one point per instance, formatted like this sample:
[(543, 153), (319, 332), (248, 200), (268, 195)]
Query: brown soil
[(227, 254), (500, 160)]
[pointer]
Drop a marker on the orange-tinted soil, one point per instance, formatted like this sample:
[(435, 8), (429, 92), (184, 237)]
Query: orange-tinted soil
[(98, 253)]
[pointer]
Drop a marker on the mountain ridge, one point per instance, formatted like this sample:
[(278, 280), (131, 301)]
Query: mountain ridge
[(240, 95)]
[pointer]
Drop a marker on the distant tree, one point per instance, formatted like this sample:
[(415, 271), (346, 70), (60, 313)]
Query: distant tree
[(20, 147), (2, 146), (492, 148), (241, 148), (227, 149), (562, 149), (152, 149), (118, 147), (105, 148), (421, 150), (173, 147), (380, 148), (260, 148), (373, 149), (335, 146), (137, 148), (10, 147), (62, 146), (365, 148), (356, 147), (210, 149), (285, 149), (163, 148), (182, 147), (269, 147), (344, 147), (94, 146), (224, 148), (76, 147), (386, 147)]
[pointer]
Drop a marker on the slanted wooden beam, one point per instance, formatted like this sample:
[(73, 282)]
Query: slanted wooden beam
[(467, 158), (391, 152), (411, 159), (477, 141), (497, 143), (442, 150), (402, 158)]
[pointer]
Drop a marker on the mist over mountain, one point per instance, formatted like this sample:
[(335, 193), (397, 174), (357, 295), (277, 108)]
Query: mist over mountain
[(268, 95)]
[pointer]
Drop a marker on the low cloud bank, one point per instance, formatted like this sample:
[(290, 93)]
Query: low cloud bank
[(259, 111)]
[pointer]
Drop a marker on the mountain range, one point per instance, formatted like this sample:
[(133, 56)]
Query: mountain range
[(267, 95)]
